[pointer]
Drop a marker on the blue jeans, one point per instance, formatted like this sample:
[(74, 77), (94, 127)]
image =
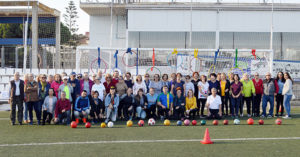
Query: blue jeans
[(287, 104), (34, 105), (266, 99), (25, 111), (140, 112), (66, 116), (235, 104)]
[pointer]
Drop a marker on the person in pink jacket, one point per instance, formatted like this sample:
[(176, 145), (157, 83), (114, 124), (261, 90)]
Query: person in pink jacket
[(86, 84), (56, 83)]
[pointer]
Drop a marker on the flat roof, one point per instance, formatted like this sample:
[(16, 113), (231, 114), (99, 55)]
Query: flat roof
[(11, 9), (93, 8)]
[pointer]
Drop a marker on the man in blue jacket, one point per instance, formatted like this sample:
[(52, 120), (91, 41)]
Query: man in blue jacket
[(76, 90), (82, 107)]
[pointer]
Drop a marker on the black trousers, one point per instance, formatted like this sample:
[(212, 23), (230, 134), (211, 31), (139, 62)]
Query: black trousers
[(214, 114), (224, 100), (163, 112), (34, 105), (120, 110), (279, 102), (46, 115), (179, 113), (73, 106), (256, 104), (202, 103), (192, 113), (127, 113), (16, 101), (151, 112), (248, 101)]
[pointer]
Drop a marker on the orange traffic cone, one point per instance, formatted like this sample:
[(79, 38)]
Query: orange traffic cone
[(206, 139)]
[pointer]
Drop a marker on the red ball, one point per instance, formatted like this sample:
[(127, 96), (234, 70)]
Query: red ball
[(250, 121), (141, 123), (225, 122), (278, 121), (215, 122), (88, 125), (73, 124), (261, 122), (194, 122)]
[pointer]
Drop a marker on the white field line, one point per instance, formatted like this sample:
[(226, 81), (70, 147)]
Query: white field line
[(147, 141)]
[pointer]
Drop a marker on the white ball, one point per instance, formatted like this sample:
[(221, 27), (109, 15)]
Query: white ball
[(110, 124), (151, 121), (236, 122)]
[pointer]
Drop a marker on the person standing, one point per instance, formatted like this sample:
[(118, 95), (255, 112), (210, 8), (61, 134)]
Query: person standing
[(288, 94), (76, 90), (67, 88), (270, 90), (139, 84), (156, 84), (213, 83), (16, 98), (248, 92), (129, 82), (178, 83), (86, 84), (56, 83), (195, 81), (225, 87), (100, 76), (147, 82), (203, 94), (258, 84), (109, 82), (279, 97), (32, 98), (236, 89), (188, 85), (121, 89)]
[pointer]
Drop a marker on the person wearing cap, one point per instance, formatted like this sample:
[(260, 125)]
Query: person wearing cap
[(82, 107), (67, 88), (86, 84), (179, 104), (76, 90), (111, 105), (99, 87)]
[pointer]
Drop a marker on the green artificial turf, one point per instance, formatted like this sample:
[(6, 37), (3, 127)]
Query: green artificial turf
[(54, 133)]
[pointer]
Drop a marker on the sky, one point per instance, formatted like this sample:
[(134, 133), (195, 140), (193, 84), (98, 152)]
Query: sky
[(83, 20)]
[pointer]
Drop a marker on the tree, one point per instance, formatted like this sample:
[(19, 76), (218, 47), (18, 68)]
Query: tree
[(71, 17)]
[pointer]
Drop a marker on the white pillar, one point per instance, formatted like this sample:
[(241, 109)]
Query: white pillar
[(34, 35), (217, 31), (57, 43)]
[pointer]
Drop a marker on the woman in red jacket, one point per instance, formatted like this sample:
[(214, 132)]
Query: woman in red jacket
[(258, 84)]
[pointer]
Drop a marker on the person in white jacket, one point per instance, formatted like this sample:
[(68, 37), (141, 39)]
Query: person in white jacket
[(139, 84), (287, 91)]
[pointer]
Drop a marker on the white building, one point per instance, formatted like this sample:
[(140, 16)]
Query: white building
[(213, 25)]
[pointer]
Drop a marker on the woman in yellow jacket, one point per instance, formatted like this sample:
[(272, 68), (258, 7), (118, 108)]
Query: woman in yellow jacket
[(190, 104), (248, 92)]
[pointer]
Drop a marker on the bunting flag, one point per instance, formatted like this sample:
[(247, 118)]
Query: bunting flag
[(253, 53), (175, 51), (196, 53), (99, 60), (116, 57), (137, 61), (129, 50), (216, 55), (236, 59), (153, 60)]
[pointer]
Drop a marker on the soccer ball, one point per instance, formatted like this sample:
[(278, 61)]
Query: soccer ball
[(129, 123), (194, 122), (179, 123), (88, 125), (203, 122), (236, 122), (141, 123), (225, 122), (151, 121), (278, 121), (215, 122), (261, 122), (250, 121), (73, 124), (110, 124), (167, 122), (186, 122), (103, 125)]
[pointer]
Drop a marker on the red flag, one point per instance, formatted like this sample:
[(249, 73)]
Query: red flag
[(253, 53), (153, 60)]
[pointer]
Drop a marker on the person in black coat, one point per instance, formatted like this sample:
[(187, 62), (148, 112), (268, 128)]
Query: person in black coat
[(97, 108), (225, 88), (128, 102), (179, 105), (141, 103)]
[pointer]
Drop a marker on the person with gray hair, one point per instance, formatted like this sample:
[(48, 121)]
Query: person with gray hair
[(32, 98), (63, 110), (16, 98), (270, 90)]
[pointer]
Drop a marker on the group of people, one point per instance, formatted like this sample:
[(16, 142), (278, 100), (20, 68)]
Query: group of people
[(61, 98)]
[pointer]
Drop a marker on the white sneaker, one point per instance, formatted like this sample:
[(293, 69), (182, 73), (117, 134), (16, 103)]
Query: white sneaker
[(249, 115), (287, 117), (242, 115)]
